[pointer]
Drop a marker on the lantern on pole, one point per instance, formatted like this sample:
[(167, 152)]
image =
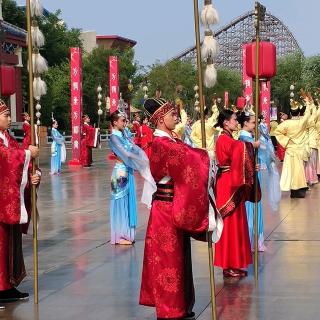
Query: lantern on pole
[(99, 97)]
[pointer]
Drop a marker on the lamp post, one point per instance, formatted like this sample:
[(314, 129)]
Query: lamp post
[(100, 112)]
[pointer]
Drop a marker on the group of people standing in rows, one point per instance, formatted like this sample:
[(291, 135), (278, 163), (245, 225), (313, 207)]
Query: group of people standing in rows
[(178, 184), (176, 177)]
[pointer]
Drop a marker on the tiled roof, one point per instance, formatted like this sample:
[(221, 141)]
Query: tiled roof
[(13, 30)]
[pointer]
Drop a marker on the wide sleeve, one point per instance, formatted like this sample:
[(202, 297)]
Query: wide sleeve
[(57, 137), (189, 168), (136, 159), (281, 134), (196, 135), (14, 163), (91, 136)]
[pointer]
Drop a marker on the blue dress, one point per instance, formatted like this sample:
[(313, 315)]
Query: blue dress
[(123, 205), (56, 151), (267, 160), (186, 137), (247, 137)]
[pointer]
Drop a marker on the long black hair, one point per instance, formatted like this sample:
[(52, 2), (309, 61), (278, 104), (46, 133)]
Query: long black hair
[(243, 117), (224, 115), (115, 117)]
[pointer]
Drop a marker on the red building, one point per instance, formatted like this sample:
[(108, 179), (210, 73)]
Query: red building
[(12, 40)]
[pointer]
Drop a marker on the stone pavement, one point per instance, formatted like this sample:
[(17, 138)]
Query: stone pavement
[(82, 276)]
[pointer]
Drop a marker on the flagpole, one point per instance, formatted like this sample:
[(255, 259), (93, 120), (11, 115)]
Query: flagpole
[(203, 136), (259, 16), (33, 190)]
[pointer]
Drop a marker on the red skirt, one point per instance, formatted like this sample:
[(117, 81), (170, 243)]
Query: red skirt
[(233, 249)]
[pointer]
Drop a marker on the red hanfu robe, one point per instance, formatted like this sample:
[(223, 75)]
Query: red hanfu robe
[(88, 141), (234, 186), (136, 130), (14, 210), (27, 135), (146, 139), (167, 282)]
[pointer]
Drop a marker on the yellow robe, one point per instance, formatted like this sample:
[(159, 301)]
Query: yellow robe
[(179, 129), (317, 127), (210, 133), (292, 135)]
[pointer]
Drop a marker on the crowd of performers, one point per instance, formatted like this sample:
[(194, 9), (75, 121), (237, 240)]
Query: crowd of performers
[(189, 189), (183, 182)]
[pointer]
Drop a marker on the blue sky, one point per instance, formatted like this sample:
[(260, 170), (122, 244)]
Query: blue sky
[(165, 28)]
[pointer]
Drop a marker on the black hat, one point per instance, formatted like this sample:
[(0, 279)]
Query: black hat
[(157, 108)]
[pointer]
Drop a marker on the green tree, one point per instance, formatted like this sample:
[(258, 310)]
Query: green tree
[(13, 14), (57, 99), (96, 71), (58, 39), (311, 73), (177, 79), (289, 71)]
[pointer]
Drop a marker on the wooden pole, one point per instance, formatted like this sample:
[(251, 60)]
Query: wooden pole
[(257, 109), (203, 135), (33, 190)]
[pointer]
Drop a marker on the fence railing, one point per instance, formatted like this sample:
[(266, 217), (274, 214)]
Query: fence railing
[(67, 139)]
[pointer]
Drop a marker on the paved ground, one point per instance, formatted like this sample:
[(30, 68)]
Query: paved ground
[(83, 277)]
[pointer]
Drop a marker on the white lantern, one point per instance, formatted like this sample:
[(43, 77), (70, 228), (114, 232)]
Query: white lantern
[(292, 87), (145, 89), (100, 112), (145, 96), (99, 96), (38, 106), (38, 114), (196, 88), (291, 94), (99, 89), (38, 122), (196, 95), (99, 103)]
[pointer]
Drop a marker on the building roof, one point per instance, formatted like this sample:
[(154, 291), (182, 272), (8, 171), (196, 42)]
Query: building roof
[(13, 30), (117, 38)]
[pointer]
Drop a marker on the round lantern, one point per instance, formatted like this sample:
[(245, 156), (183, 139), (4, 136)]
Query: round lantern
[(241, 103), (267, 60)]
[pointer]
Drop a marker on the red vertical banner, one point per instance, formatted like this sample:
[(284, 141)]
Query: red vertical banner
[(114, 83), (265, 100), (226, 99), (246, 80), (76, 103)]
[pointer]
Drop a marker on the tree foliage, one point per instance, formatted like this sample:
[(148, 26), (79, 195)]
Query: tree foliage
[(289, 71), (13, 14), (177, 78)]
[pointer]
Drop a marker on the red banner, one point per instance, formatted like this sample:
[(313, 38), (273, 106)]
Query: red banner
[(265, 100), (226, 99), (114, 83), (246, 80), (76, 103)]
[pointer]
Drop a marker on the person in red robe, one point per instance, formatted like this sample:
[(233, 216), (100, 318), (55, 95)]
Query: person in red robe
[(234, 186), (15, 201), (27, 131), (281, 151), (136, 129), (179, 209), (146, 137), (89, 140)]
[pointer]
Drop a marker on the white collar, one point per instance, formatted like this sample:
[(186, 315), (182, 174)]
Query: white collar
[(160, 133), (4, 138)]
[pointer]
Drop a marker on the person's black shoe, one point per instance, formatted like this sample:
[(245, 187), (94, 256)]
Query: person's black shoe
[(13, 295), (301, 193)]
